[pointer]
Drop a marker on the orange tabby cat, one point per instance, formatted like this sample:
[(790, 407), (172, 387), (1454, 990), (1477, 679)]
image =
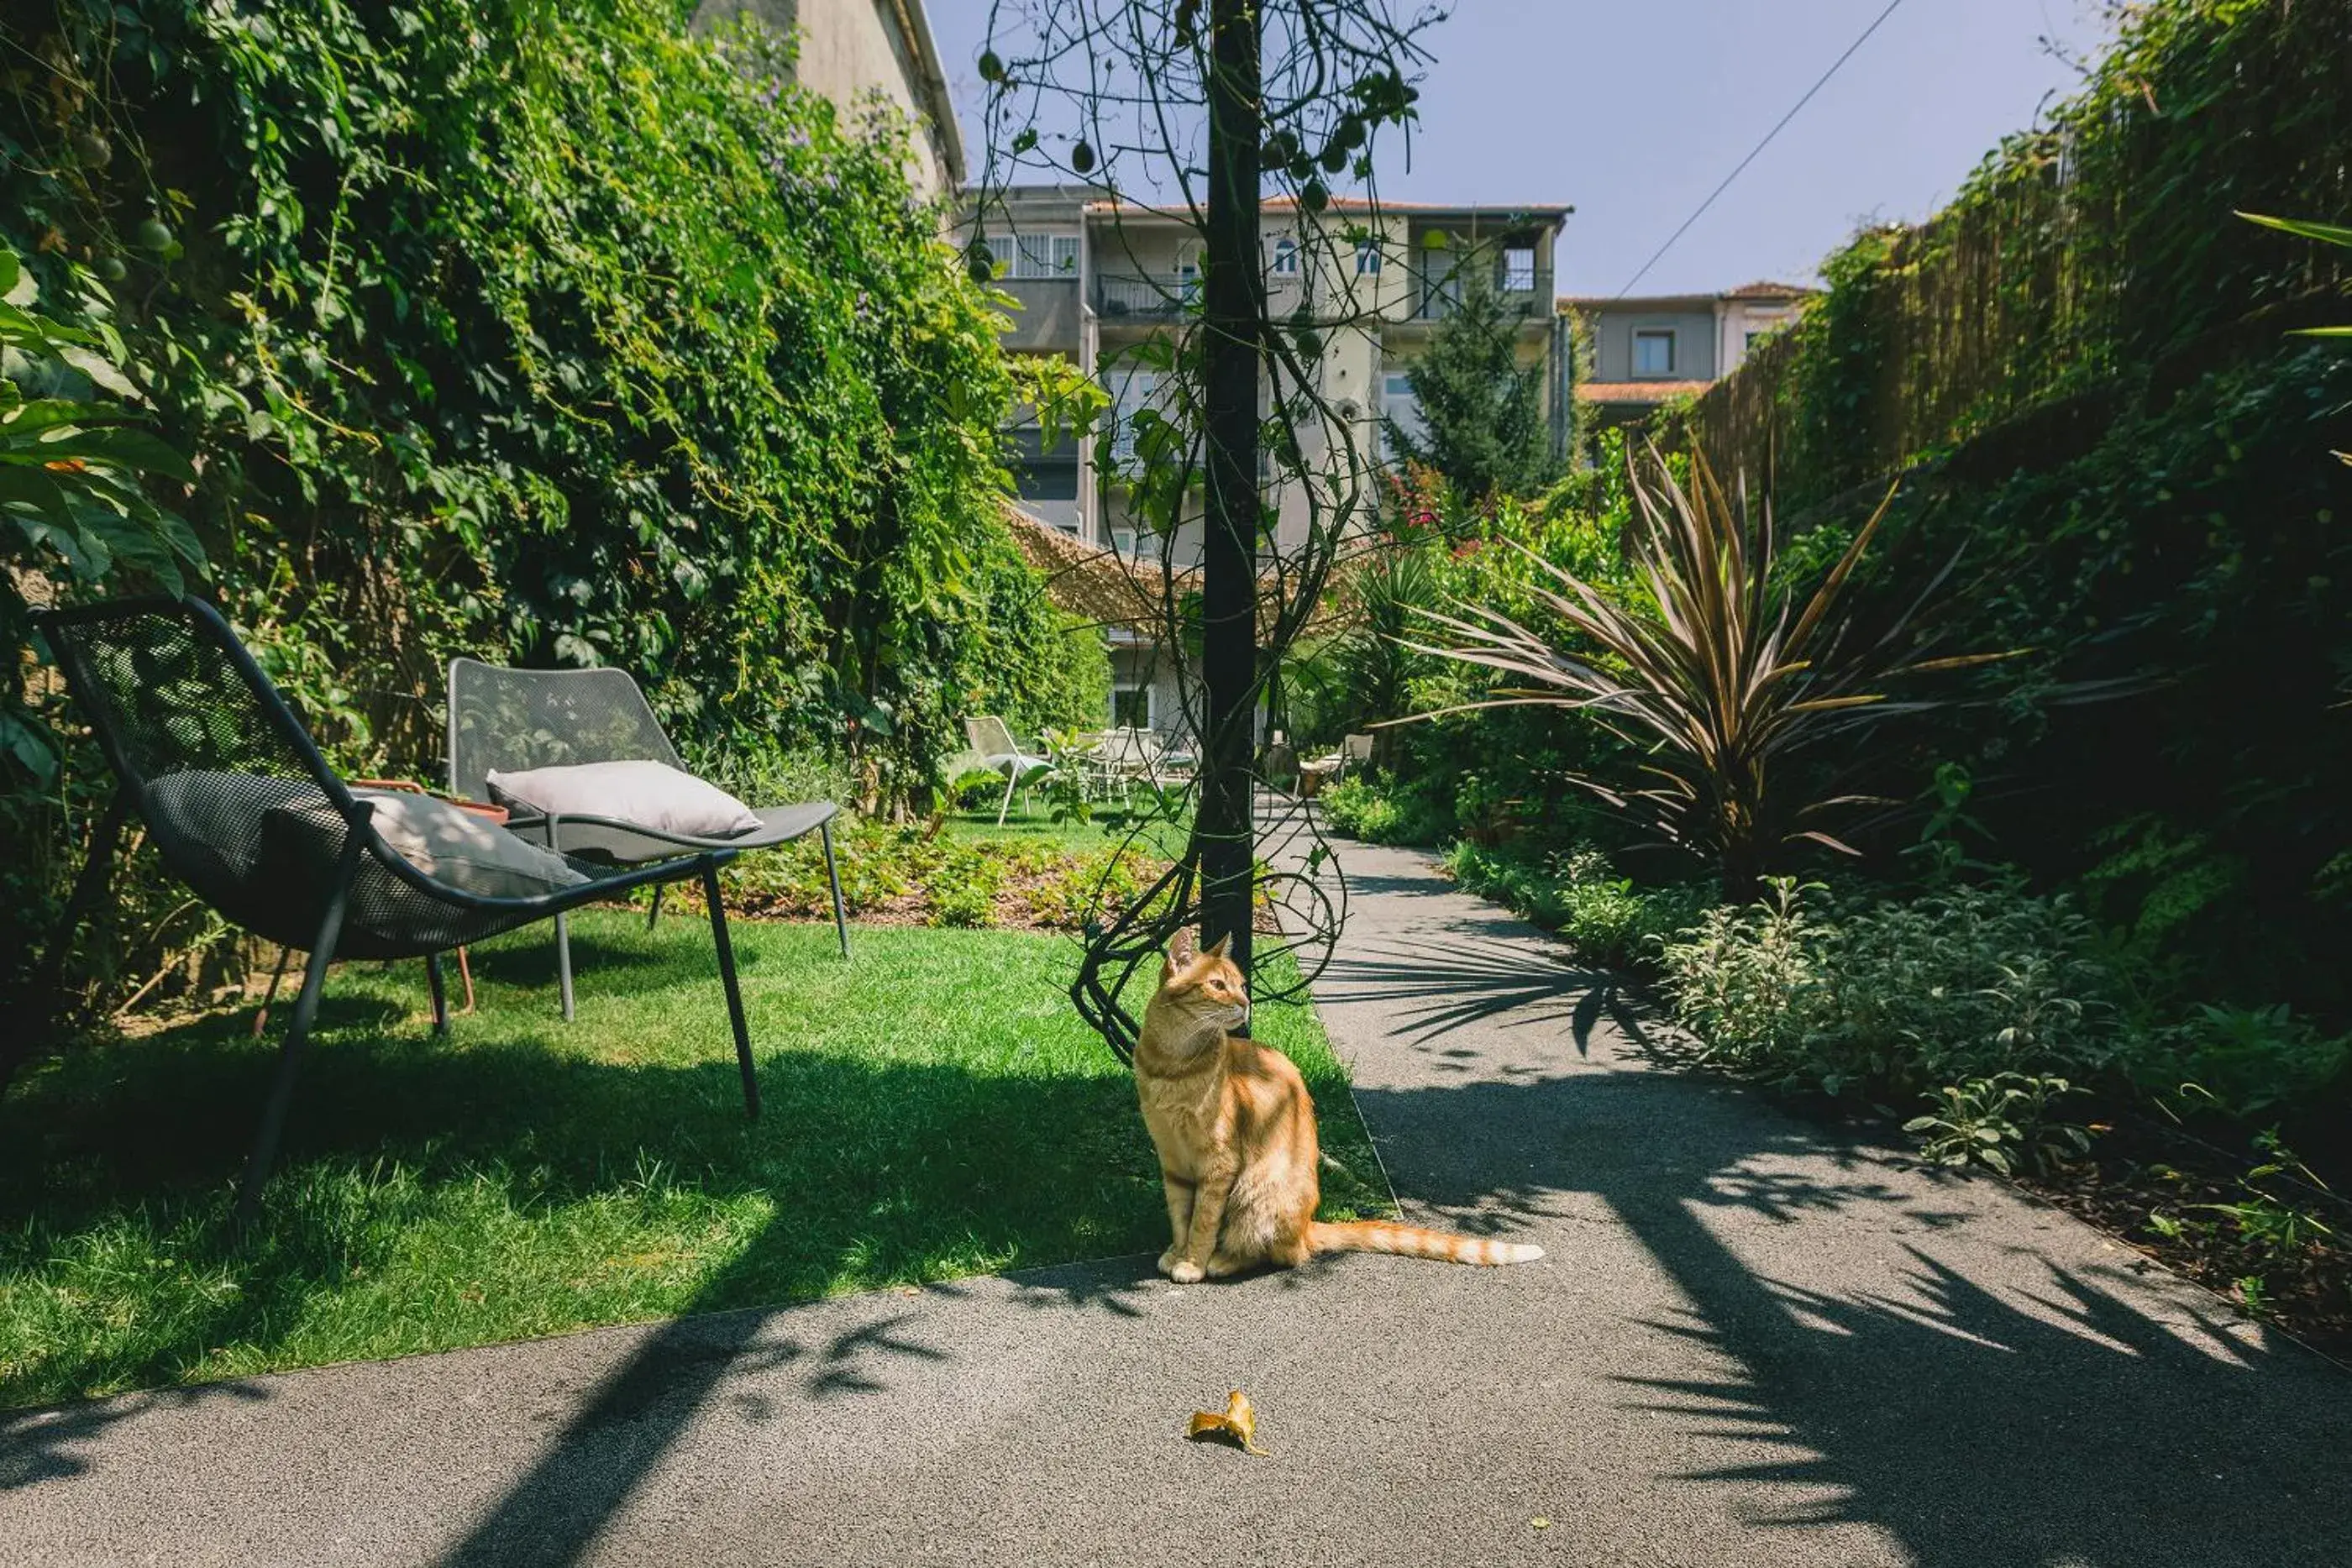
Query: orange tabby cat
[(1235, 1133)]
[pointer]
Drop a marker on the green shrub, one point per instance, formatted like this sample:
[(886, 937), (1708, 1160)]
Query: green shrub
[(962, 887), (762, 777), (1490, 773), (2241, 1063), (907, 874), (1356, 807), (2004, 1120), (1897, 998), (1608, 920), (555, 335), (1381, 809)]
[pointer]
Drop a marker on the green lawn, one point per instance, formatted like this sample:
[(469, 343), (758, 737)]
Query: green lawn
[(1110, 825), (933, 1108)]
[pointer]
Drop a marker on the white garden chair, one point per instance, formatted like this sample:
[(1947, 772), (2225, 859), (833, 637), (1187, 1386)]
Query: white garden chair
[(1355, 751), (998, 753)]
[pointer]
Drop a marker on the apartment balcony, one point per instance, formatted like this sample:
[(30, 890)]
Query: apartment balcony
[(1048, 317), (1141, 300), (1435, 299)]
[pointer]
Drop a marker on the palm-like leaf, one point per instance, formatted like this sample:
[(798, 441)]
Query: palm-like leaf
[(1716, 677)]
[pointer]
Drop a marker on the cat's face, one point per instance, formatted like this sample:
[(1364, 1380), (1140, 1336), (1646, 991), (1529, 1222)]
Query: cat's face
[(1206, 987)]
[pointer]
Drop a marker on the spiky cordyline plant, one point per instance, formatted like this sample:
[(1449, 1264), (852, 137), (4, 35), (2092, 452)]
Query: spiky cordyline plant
[(1717, 678)]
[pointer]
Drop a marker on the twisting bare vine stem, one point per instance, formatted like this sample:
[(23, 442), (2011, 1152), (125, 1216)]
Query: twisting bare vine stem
[(1220, 119)]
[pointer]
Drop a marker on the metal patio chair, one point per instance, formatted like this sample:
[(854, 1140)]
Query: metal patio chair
[(510, 721), (998, 753), (1355, 751), (241, 806)]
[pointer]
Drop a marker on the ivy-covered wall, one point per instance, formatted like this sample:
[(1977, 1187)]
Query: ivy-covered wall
[(2082, 376), (545, 332), (2079, 257)]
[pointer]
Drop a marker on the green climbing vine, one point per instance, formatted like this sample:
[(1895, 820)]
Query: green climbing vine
[(551, 334)]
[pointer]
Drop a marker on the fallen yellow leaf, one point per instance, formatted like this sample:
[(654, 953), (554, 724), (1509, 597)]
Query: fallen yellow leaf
[(1237, 1426)]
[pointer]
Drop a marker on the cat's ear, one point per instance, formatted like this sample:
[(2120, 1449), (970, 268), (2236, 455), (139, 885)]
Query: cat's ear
[(1181, 951), (1222, 947)]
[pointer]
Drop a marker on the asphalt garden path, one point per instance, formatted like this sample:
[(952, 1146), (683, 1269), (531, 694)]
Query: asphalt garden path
[(1752, 1343)]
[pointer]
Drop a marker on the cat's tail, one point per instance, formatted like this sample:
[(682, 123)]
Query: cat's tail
[(1416, 1241)]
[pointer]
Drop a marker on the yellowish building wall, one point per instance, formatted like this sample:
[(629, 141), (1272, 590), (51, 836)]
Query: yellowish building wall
[(851, 51)]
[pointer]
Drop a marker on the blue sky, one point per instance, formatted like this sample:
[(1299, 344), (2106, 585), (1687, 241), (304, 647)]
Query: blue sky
[(1634, 110)]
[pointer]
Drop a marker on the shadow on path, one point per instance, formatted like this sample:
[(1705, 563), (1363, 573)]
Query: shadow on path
[(1887, 1346), (1893, 1344), (1837, 1336)]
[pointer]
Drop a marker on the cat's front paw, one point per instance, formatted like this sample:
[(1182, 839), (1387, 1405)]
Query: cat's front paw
[(1184, 1271), (1167, 1264)]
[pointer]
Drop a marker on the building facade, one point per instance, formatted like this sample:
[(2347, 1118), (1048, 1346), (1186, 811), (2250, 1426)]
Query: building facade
[(1110, 286), (1098, 283), (855, 51), (1641, 351)]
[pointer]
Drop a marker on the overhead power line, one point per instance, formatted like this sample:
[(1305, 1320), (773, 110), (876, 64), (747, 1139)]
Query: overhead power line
[(1892, 6)]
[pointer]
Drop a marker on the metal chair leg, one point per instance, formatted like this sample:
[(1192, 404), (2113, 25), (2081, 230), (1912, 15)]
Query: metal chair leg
[(562, 933), (270, 996), (833, 875), (440, 993), (563, 962), (734, 991), (1011, 778), (654, 915), (297, 1034)]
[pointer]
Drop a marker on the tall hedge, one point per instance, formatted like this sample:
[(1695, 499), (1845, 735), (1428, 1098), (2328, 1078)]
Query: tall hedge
[(546, 332), (2082, 372), (2085, 253)]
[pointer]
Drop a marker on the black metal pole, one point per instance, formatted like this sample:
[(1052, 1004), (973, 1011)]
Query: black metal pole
[(1231, 294)]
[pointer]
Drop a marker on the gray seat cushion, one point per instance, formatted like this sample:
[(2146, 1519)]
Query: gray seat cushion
[(652, 794), (454, 847)]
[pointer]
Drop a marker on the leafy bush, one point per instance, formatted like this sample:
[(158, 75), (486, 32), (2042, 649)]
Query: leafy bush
[(77, 467), (77, 515), (906, 875), (554, 335), (1897, 998), (1380, 810), (2092, 387), (2003, 1121), (663, 367), (2241, 1063), (1438, 548), (2273, 1213), (1608, 919), (2195, 554), (1715, 672), (1356, 807), (1742, 979), (766, 777)]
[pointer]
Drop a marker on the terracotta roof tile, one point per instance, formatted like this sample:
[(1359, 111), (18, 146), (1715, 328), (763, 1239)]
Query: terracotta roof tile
[(1765, 289)]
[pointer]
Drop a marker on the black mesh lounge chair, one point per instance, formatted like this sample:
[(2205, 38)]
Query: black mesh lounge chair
[(208, 755), (510, 721)]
